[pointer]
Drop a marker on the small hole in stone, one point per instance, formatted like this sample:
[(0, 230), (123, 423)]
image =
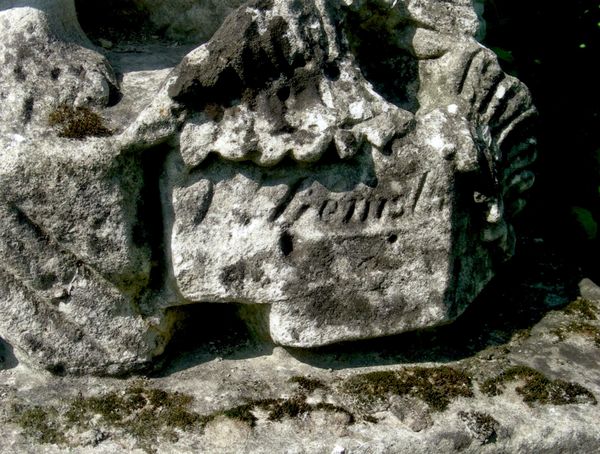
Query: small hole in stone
[(283, 93), (56, 369), (331, 71), (286, 243), (392, 238)]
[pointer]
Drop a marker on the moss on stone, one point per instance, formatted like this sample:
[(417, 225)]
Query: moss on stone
[(146, 414), (436, 386), (278, 409), (584, 329), (112, 408), (78, 122), (537, 388), (149, 414), (290, 408), (241, 413), (307, 384), (40, 425), (482, 425), (582, 307)]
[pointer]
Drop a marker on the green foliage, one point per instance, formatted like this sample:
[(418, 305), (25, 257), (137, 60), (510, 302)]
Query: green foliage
[(504, 55), (586, 221)]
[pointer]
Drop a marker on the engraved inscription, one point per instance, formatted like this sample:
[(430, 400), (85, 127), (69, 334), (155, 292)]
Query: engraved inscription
[(394, 201)]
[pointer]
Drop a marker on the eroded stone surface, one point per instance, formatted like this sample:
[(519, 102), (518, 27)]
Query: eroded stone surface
[(242, 396), (352, 166), (47, 61), (370, 206)]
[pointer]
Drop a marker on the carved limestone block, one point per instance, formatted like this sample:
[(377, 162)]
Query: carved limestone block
[(346, 172), (353, 166)]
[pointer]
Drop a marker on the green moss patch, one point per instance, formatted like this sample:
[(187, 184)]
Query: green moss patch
[(537, 388), (586, 330), (583, 308), (146, 414), (291, 408), (279, 409), (437, 386), (482, 425), (307, 384), (149, 415), (78, 122), (241, 413), (40, 424), (582, 313)]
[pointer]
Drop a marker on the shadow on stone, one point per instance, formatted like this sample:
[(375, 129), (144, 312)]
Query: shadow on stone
[(8, 359), (524, 291), (206, 332), (537, 281)]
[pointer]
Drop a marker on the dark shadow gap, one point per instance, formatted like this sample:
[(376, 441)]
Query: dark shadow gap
[(8, 360), (524, 291), (206, 332)]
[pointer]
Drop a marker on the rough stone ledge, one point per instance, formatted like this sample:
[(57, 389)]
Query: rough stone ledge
[(525, 379)]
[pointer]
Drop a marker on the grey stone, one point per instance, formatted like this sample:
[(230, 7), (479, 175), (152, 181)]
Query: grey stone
[(47, 61), (391, 216), (588, 289), (351, 166), (250, 375)]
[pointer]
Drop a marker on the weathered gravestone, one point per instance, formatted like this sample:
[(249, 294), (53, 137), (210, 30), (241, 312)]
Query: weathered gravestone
[(352, 166)]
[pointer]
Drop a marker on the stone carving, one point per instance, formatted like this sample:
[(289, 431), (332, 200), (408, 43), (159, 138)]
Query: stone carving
[(352, 166)]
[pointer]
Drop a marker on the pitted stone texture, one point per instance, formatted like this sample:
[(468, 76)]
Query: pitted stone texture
[(353, 205), (351, 166), (75, 261), (47, 61)]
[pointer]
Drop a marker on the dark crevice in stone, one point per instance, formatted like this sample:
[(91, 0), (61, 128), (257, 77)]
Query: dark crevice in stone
[(286, 243), (116, 20), (28, 109), (394, 72), (114, 95), (150, 228)]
